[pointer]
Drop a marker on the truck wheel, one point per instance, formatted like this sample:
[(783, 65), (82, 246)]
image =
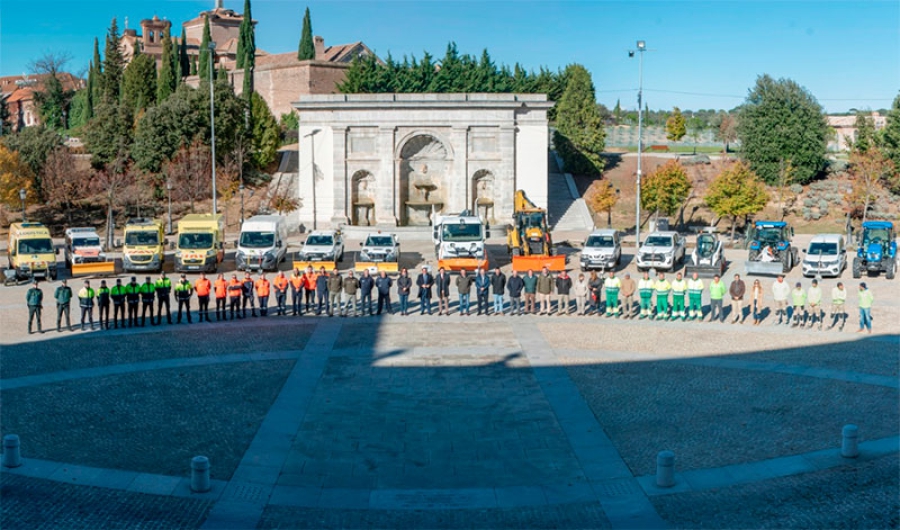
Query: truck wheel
[(786, 262), (857, 268), (753, 255), (891, 269)]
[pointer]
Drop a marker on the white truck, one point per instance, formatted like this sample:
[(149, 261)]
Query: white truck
[(83, 246), (262, 244), (459, 242)]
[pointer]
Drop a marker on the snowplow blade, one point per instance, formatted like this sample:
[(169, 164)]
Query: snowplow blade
[(764, 268), (536, 263), (373, 267), (706, 271), (455, 264), (316, 265), (94, 268)]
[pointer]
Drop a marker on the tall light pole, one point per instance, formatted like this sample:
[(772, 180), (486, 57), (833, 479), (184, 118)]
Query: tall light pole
[(641, 48), (241, 156), (212, 122), (312, 158), (22, 194), (169, 190)]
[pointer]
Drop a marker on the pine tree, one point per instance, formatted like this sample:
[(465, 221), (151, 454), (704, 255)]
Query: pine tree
[(166, 83), (736, 192), (113, 66), (676, 127), (203, 68), (184, 62), (579, 138), (307, 49), (139, 88), (865, 132)]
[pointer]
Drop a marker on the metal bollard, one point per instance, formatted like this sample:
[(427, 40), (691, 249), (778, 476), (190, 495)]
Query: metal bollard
[(11, 455), (849, 444), (665, 469), (200, 474)]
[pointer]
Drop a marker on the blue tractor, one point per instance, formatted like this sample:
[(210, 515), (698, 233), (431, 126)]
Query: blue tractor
[(771, 252), (877, 250)]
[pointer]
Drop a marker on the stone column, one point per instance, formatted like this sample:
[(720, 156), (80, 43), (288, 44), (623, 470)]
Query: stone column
[(458, 180), (387, 180), (341, 204), (505, 178)]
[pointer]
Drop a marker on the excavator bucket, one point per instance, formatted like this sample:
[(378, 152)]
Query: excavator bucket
[(96, 268), (536, 263), (316, 265), (373, 267), (470, 264)]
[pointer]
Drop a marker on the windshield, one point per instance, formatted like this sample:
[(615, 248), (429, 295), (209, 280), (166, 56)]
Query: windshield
[(875, 236), (35, 246), (195, 241), (379, 241), (600, 241), (320, 241), (705, 245), (659, 241), (257, 239), (461, 232), (825, 249), (142, 238), (769, 235), (532, 220), (86, 242)]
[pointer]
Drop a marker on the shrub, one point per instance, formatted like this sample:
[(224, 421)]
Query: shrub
[(815, 216), (797, 188), (823, 211), (809, 202), (807, 214), (823, 204)]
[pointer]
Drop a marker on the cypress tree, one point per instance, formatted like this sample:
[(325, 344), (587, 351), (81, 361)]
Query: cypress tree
[(113, 66), (98, 71), (166, 83), (246, 48), (89, 97), (203, 66), (183, 59), (307, 49), (194, 65)]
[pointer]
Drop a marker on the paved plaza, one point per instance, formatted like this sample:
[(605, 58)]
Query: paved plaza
[(451, 422)]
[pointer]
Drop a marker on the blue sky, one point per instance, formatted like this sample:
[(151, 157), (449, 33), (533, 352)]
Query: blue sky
[(701, 54)]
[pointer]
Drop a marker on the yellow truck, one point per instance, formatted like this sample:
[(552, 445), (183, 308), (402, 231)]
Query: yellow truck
[(201, 243), (144, 248), (30, 251)]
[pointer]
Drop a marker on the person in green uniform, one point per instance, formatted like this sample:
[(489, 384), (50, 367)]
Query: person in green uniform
[(679, 288), (183, 290), (611, 286), (717, 292), (35, 300), (147, 291), (63, 296), (798, 304), (695, 297), (86, 302), (645, 291), (133, 297), (838, 300), (117, 293), (163, 290), (103, 305), (814, 299), (662, 288)]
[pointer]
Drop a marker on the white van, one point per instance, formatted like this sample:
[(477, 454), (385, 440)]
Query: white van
[(263, 243), (826, 256)]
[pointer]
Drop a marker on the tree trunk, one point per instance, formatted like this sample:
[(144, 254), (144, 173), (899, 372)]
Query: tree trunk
[(733, 226), (609, 218)]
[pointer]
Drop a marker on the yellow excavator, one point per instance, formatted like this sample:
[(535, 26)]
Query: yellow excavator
[(529, 242)]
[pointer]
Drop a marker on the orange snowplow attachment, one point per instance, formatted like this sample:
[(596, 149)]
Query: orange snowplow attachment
[(455, 264), (536, 263), (389, 267), (302, 265), (97, 267)]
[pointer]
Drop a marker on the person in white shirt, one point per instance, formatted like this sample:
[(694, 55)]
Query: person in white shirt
[(780, 292)]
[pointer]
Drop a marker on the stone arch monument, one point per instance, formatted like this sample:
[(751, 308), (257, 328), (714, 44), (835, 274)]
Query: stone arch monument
[(424, 164), (483, 194), (363, 198)]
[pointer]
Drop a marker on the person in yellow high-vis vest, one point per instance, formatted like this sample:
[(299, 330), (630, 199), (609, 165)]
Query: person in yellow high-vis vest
[(695, 297), (662, 288), (679, 289), (645, 292), (612, 286)]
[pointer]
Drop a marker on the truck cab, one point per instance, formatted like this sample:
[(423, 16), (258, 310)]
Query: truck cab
[(661, 251), (83, 246), (201, 243), (825, 256), (262, 244), (30, 251), (459, 241), (322, 245), (144, 248), (602, 250)]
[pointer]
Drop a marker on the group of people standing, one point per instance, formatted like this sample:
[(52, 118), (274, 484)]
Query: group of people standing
[(330, 293)]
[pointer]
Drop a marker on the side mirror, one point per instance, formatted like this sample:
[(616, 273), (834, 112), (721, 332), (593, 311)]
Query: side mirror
[(360, 243), (278, 243), (57, 251)]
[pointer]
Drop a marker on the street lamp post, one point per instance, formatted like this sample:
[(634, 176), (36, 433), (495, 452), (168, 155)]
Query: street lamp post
[(241, 189), (641, 48), (22, 195), (312, 159), (169, 190), (212, 122)]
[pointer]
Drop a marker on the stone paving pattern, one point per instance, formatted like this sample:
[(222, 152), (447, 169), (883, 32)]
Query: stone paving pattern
[(862, 496), (442, 334), (153, 422), (39, 504)]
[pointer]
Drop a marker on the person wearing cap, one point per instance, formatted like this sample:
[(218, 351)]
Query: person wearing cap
[(203, 287), (163, 290), (814, 299), (235, 292), (280, 284), (838, 299), (248, 295), (63, 297), (148, 292), (103, 305), (117, 293), (221, 289), (424, 282), (183, 292), (865, 308), (35, 300), (133, 297), (86, 301), (263, 288), (780, 292), (798, 305)]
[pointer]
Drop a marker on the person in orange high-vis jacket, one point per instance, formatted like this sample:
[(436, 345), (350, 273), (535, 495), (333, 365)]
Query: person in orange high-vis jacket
[(262, 294), (280, 283), (297, 282), (221, 289), (309, 284), (235, 290), (203, 287)]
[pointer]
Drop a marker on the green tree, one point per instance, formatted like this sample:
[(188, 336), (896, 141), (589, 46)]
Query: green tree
[(139, 82), (307, 48), (602, 197), (53, 99), (264, 142), (34, 145), (666, 189), (736, 192), (97, 67), (246, 47), (865, 132), (168, 75), (726, 128), (868, 168), (695, 127), (113, 67), (617, 112), (579, 137), (4, 117), (89, 93), (675, 126), (110, 133), (184, 62), (203, 68), (78, 109), (780, 120), (890, 135)]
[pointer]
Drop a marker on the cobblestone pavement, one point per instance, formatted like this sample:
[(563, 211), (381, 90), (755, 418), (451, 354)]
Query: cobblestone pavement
[(450, 422)]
